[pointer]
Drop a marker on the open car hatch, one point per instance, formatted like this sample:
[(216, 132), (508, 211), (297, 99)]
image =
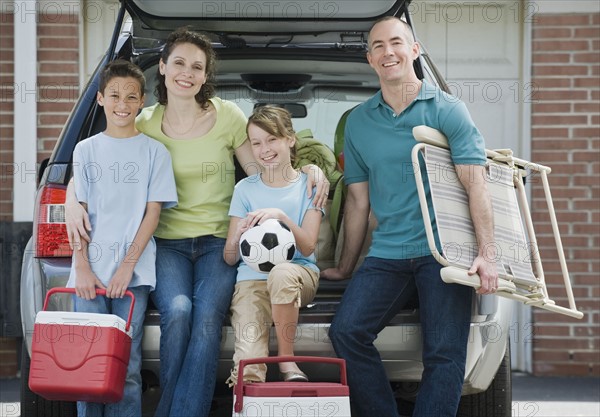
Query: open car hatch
[(242, 23)]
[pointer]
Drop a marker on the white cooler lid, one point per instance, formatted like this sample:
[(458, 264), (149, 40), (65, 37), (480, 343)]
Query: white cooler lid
[(81, 319)]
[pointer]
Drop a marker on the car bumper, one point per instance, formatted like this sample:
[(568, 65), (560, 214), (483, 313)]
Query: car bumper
[(399, 344)]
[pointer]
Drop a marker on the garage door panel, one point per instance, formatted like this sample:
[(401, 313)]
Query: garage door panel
[(471, 39)]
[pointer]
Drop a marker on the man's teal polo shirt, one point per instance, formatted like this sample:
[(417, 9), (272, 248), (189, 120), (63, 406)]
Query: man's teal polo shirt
[(377, 149)]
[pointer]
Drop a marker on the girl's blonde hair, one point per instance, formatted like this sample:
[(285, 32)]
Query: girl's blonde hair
[(275, 121)]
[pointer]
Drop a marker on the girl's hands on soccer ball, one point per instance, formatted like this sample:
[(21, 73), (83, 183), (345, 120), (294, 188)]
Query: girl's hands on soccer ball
[(258, 216), (241, 226)]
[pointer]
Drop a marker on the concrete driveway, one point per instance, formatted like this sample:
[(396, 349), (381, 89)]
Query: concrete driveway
[(560, 397), (532, 397)]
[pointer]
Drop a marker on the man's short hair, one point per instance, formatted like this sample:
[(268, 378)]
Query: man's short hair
[(407, 27)]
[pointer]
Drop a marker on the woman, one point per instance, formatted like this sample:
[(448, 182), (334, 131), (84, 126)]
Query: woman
[(194, 284)]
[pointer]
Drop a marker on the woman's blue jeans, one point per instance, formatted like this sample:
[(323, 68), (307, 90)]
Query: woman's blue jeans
[(376, 293), (193, 292), (131, 404)]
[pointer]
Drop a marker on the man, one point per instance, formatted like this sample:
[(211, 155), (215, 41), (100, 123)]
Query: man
[(378, 172)]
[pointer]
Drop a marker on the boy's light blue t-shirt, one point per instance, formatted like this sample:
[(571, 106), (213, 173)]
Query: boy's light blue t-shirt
[(252, 194), (377, 149), (116, 178)]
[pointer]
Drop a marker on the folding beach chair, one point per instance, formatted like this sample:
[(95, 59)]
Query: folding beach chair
[(521, 276)]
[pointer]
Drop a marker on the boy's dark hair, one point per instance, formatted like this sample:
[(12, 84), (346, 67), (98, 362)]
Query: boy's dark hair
[(121, 68), (183, 35)]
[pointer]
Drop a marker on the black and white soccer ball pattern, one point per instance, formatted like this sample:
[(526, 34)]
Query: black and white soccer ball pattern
[(266, 245)]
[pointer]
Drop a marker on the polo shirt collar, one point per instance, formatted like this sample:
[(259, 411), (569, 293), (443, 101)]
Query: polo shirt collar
[(426, 92)]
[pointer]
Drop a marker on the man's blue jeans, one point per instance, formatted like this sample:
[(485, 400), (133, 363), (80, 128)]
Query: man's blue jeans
[(131, 404), (375, 294), (193, 292)]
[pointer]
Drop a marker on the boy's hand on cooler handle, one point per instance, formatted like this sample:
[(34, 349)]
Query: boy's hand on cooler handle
[(119, 282), (86, 284)]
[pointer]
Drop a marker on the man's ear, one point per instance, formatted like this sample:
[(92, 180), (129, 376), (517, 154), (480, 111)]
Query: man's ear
[(142, 100), (416, 49), (100, 98)]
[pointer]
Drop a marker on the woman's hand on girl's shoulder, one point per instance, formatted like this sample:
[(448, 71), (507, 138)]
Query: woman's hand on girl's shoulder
[(316, 178)]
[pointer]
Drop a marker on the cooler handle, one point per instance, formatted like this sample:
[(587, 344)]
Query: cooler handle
[(99, 291), (239, 386)]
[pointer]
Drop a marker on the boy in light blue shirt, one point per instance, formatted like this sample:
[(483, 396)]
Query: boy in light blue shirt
[(123, 178)]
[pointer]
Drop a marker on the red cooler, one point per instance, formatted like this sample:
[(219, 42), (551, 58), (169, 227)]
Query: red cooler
[(279, 399), (80, 356)]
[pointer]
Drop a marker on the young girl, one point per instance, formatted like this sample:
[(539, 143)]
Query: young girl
[(278, 191)]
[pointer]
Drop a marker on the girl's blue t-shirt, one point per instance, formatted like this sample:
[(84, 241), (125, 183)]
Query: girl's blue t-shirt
[(252, 193)]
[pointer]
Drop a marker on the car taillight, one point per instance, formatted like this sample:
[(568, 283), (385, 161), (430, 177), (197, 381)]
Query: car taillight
[(51, 233)]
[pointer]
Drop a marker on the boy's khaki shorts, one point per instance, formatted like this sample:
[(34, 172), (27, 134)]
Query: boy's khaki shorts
[(251, 312)]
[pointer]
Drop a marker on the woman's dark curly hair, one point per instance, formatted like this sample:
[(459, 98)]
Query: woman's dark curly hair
[(183, 35)]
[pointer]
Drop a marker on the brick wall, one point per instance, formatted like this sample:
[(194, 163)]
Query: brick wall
[(6, 115), (57, 90), (8, 357), (566, 137), (58, 76), (8, 346)]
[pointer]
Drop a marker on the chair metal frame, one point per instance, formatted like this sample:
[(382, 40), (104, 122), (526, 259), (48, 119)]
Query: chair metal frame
[(526, 288)]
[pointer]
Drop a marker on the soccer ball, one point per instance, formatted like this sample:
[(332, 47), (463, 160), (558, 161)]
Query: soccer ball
[(266, 245)]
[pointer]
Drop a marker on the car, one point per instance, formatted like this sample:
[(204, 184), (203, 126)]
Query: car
[(308, 57)]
